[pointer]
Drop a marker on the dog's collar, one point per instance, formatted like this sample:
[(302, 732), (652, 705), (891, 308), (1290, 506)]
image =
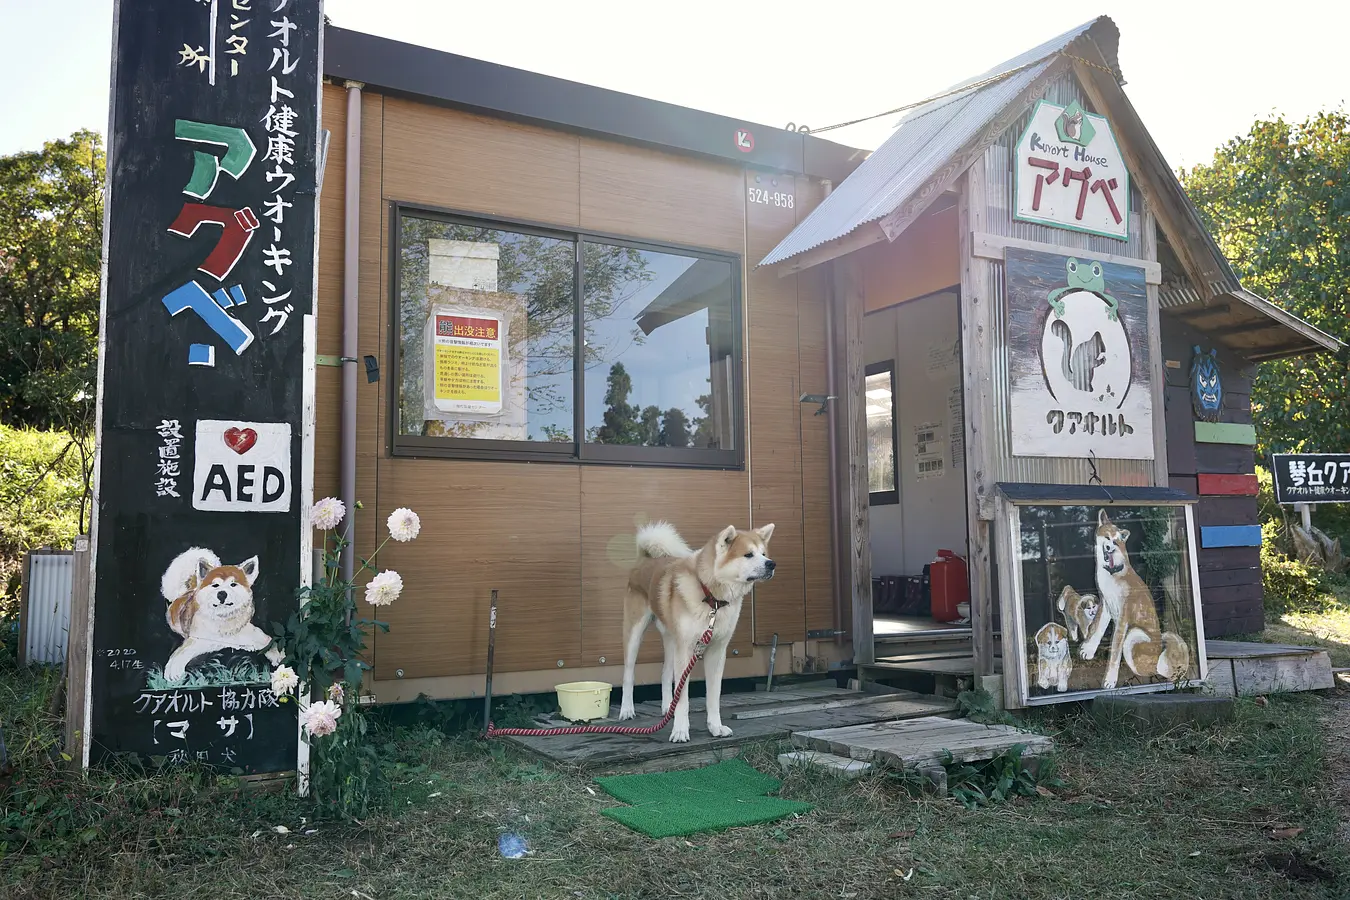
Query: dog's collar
[(709, 599)]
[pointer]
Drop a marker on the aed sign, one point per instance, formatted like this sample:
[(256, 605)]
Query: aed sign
[(242, 466), (1070, 173)]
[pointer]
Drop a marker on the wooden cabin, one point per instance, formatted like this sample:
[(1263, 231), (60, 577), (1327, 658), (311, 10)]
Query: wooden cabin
[(589, 310)]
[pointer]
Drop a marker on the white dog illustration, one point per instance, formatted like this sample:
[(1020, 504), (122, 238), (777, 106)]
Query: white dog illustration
[(211, 607)]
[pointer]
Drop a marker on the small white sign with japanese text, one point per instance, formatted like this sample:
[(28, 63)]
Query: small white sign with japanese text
[(1070, 173)]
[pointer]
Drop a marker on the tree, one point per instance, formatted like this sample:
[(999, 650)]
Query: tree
[(649, 428), (675, 428), (621, 417), (51, 247), (1278, 203)]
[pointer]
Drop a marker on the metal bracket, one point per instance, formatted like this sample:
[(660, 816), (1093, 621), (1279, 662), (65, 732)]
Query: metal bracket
[(822, 399)]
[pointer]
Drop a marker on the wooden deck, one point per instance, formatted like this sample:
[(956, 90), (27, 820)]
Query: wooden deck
[(921, 742), (1242, 669), (753, 717)]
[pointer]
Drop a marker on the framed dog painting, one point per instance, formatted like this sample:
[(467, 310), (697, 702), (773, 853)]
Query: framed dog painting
[(1099, 596)]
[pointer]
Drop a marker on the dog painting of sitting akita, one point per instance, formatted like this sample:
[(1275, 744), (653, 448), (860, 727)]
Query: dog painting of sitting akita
[(210, 607), (1137, 640)]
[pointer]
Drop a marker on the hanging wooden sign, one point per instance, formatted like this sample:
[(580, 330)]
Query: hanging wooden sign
[(206, 386), (1070, 173), (1078, 357)]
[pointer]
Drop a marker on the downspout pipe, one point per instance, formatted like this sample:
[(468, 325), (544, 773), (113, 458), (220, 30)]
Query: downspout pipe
[(351, 270), (840, 556)]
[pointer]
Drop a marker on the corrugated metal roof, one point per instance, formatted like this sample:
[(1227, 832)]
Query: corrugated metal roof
[(923, 142)]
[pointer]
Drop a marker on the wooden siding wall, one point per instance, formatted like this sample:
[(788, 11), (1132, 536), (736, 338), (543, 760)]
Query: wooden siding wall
[(1230, 577), (556, 539)]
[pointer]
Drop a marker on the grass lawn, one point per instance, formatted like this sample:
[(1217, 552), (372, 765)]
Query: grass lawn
[(1211, 813)]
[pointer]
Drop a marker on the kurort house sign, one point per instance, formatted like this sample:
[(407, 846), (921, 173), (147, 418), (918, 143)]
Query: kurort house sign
[(1070, 174), (207, 382)]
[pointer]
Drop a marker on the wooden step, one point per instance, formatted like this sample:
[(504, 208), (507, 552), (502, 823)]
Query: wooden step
[(921, 742)]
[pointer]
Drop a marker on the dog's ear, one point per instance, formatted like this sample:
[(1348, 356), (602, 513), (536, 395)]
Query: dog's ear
[(726, 537), (204, 568), (765, 532), (1124, 534), (1064, 596), (1102, 518), (250, 568)]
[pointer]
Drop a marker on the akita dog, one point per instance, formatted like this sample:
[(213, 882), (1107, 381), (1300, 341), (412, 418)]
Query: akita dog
[(1125, 600), (211, 608), (678, 588)]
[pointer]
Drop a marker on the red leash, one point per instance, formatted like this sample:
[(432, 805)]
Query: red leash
[(703, 642)]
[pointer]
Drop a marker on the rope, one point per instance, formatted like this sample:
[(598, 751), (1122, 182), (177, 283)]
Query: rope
[(494, 731)]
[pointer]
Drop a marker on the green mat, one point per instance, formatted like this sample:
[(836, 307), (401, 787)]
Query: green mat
[(725, 795)]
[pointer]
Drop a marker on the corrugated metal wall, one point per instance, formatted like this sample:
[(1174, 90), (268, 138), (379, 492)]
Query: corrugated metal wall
[(998, 166), (47, 606)]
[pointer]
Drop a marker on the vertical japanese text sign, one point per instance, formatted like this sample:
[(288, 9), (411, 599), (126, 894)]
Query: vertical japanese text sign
[(206, 377)]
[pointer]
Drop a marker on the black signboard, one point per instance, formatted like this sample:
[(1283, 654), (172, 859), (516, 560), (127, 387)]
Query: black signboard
[(1311, 477), (206, 382)]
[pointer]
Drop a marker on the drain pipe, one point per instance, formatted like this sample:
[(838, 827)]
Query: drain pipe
[(832, 423), (351, 259)]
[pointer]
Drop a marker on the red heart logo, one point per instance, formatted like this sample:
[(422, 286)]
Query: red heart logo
[(240, 440)]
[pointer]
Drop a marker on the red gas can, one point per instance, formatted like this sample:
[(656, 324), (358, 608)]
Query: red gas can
[(949, 586)]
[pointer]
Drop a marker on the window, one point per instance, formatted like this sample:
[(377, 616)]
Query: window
[(879, 388), (489, 321)]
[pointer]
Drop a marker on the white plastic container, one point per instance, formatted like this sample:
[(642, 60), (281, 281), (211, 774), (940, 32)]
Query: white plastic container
[(582, 701)]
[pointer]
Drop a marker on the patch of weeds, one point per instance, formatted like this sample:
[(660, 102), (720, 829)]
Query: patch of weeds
[(1002, 778), (981, 706)]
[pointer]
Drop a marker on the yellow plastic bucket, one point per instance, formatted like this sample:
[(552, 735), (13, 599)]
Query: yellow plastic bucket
[(581, 701)]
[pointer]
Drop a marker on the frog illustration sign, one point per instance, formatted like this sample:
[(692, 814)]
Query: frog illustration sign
[(1078, 354)]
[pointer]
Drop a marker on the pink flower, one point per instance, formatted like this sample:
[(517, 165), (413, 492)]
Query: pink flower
[(320, 718)]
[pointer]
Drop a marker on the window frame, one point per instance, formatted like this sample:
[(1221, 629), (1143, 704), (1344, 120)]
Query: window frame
[(892, 496), (578, 450)]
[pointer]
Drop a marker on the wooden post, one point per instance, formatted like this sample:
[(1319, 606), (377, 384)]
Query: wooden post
[(77, 657), (848, 307), (977, 360), (1149, 231)]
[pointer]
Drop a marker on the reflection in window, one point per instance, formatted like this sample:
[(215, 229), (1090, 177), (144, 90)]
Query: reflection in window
[(659, 358), (879, 390), (487, 321)]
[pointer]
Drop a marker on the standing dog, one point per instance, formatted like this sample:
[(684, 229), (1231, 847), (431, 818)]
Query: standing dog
[(678, 588), (1126, 600), (211, 608)]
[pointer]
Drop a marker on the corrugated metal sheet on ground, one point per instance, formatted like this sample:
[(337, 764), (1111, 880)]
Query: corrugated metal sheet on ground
[(47, 609), (922, 143)]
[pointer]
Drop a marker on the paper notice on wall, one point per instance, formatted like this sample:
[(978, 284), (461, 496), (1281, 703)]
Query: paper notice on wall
[(942, 360), (930, 444), (467, 360), (957, 430)]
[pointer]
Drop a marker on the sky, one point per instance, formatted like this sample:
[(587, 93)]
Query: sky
[(1197, 72)]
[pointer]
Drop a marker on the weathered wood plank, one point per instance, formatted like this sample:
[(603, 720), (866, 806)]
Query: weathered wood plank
[(1158, 381), (922, 741), (1238, 485), (1226, 511), (1253, 650), (1225, 433), (1220, 578), (1225, 459), (1283, 674), (1230, 558), (991, 246), (859, 699)]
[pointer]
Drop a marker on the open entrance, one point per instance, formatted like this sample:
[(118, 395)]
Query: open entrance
[(917, 479)]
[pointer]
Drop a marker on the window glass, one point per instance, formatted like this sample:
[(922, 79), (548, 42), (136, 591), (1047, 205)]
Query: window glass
[(660, 348), (879, 388), (487, 322)]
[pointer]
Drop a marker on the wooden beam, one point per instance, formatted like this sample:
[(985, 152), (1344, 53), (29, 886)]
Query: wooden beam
[(977, 361), (1225, 433), (1148, 225), (863, 236), (991, 246), (848, 308)]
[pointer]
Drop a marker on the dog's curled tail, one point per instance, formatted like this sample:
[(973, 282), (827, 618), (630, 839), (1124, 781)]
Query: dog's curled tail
[(660, 539), (181, 575)]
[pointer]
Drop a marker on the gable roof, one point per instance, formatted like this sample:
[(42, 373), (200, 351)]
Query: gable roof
[(936, 142)]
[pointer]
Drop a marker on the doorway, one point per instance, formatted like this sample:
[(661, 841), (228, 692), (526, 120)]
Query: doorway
[(914, 403)]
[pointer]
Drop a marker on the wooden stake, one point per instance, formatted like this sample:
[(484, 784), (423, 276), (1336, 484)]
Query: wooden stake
[(492, 646)]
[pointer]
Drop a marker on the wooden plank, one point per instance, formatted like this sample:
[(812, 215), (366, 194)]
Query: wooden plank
[(1226, 511), (1184, 483), (1158, 382), (964, 665), (835, 703), (1283, 674), (1238, 485), (977, 359), (1229, 577), (922, 741), (1254, 650), (78, 666), (1220, 677), (1253, 624), (991, 246), (1213, 536), (1224, 459), (1230, 558), (1232, 595), (1225, 433), (1177, 420)]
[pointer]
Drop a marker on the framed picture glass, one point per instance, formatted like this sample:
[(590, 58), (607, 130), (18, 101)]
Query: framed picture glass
[(1100, 596)]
